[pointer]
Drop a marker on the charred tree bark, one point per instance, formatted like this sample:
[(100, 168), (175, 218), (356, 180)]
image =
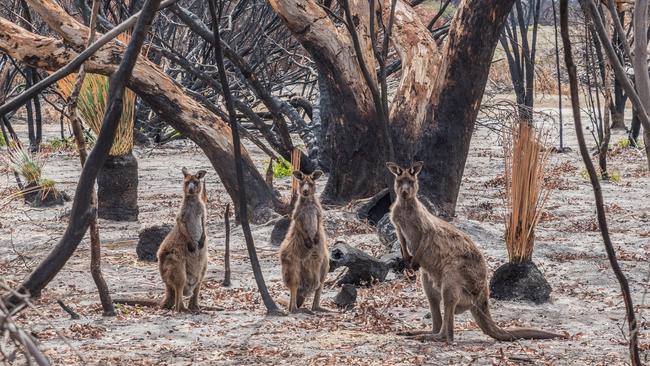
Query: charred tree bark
[(463, 73), (117, 189), (635, 129), (226, 257), (356, 158), (617, 107)]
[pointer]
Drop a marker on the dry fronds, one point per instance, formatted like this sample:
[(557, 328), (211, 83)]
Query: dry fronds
[(525, 157), (92, 106)]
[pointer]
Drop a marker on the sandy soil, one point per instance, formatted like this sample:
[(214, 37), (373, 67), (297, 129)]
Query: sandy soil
[(585, 301)]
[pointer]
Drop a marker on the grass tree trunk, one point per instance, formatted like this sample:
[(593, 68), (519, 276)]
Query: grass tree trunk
[(117, 192)]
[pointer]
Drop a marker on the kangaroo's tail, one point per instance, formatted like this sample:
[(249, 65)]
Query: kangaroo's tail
[(481, 313)]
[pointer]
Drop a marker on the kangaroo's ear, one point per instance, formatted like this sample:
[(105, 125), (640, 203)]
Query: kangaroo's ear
[(394, 168), (316, 174), (185, 172), (298, 175), (416, 168), (200, 174)]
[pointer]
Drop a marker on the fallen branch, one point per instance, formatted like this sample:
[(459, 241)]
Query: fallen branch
[(67, 309)]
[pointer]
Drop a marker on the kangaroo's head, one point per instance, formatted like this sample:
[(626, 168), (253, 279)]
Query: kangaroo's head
[(406, 179), (307, 182), (192, 184)]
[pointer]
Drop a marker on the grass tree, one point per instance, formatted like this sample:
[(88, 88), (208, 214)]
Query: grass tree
[(118, 179), (526, 157), (37, 190)]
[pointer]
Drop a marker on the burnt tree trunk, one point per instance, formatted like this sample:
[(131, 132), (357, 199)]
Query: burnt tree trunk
[(617, 108), (635, 129), (464, 69), (354, 152)]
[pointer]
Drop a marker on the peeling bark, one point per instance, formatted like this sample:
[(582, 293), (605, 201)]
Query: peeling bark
[(419, 54), (353, 153)]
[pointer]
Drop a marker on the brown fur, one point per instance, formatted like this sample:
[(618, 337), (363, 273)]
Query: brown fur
[(303, 253), (183, 255), (453, 269)]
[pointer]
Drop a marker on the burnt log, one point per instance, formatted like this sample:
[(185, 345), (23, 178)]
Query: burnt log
[(375, 208), (363, 268), (347, 297)]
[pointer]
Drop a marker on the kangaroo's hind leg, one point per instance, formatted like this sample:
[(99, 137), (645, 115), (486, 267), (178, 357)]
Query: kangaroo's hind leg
[(450, 298), (168, 302), (433, 296)]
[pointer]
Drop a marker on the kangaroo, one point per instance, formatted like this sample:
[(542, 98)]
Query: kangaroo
[(452, 268), (183, 255), (303, 253)]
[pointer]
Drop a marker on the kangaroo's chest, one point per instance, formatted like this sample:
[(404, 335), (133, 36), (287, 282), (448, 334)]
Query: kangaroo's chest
[(193, 218), (410, 227)]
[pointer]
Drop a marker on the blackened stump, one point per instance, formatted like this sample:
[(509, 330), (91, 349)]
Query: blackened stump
[(117, 192), (376, 207), (149, 240), (520, 281)]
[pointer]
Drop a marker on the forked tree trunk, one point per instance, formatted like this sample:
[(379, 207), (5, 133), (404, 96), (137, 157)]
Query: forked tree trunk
[(164, 95), (353, 135), (433, 112)]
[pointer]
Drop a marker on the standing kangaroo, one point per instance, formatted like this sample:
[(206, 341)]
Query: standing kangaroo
[(183, 255), (453, 269), (303, 252)]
